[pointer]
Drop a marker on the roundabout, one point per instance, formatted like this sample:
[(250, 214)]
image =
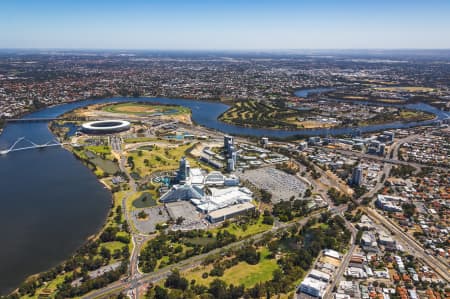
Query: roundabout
[(105, 126)]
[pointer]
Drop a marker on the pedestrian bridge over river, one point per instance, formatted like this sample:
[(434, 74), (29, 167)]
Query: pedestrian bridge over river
[(22, 144)]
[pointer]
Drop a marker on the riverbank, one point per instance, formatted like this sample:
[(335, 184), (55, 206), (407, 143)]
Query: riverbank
[(289, 117), (66, 187), (110, 245)]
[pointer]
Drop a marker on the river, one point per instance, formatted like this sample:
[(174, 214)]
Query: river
[(50, 202)]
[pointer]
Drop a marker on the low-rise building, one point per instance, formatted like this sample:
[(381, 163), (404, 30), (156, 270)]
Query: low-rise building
[(229, 212), (313, 287)]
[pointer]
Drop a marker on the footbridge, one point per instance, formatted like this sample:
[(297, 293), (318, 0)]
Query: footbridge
[(22, 144)]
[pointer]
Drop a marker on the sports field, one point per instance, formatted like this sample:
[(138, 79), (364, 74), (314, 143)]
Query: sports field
[(145, 109)]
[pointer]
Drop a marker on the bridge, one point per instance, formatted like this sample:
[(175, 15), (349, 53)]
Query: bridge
[(43, 119), (30, 145), (23, 120)]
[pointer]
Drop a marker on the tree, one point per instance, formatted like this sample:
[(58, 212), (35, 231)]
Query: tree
[(249, 254), (179, 220), (409, 209), (175, 281), (142, 214), (268, 220), (105, 253), (161, 293), (218, 288), (308, 193)]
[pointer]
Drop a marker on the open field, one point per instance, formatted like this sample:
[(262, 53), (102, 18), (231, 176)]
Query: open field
[(246, 231), (132, 111), (242, 273), (361, 98), (402, 116), (145, 109), (140, 139), (159, 158), (406, 89)]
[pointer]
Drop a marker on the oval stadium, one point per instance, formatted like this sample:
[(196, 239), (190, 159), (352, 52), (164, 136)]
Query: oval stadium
[(105, 126)]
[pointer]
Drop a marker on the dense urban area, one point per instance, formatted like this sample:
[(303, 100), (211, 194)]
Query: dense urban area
[(200, 213)]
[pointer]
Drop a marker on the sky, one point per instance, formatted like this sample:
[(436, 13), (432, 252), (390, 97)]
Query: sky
[(225, 24)]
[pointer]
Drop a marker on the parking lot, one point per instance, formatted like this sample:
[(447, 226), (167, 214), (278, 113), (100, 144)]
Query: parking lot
[(192, 218), (155, 215), (280, 184)]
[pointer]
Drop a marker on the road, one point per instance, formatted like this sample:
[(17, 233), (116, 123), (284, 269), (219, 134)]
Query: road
[(415, 248), (137, 238), (340, 272), (137, 280), (412, 246), (381, 159)]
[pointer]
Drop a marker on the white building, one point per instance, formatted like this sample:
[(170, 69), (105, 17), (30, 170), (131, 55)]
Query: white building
[(319, 275), (313, 287)]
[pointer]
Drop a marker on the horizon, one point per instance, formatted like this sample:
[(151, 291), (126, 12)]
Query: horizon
[(224, 25), (242, 50)]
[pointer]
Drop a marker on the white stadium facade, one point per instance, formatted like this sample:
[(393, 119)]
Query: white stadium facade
[(105, 126)]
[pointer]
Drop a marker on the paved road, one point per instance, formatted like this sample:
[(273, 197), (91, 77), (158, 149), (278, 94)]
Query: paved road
[(415, 248), (138, 239), (340, 272), (192, 262), (378, 158)]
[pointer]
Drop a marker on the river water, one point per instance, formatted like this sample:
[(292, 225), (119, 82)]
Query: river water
[(50, 203)]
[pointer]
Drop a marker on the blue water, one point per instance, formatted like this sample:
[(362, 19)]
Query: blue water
[(206, 114), (50, 203)]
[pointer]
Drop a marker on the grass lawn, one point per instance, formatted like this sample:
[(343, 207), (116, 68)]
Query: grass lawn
[(51, 287), (140, 139), (99, 149), (406, 89), (145, 109), (113, 245), (161, 159), (242, 273), (322, 226), (251, 229)]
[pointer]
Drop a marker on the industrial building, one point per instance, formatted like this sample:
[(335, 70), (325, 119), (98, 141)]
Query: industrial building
[(229, 212), (319, 275)]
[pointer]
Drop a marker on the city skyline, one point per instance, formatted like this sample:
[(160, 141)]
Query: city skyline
[(225, 25)]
